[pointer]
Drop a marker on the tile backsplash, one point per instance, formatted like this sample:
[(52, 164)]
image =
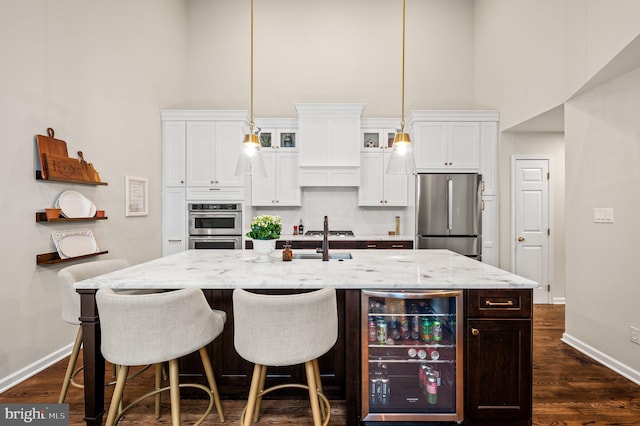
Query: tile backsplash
[(340, 204)]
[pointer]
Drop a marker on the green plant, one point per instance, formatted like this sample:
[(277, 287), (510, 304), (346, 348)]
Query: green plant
[(265, 227)]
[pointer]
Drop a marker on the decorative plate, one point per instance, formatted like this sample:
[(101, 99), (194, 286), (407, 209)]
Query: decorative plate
[(73, 243), (74, 205)]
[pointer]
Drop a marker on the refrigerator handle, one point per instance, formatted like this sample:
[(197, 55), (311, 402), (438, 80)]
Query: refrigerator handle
[(449, 203)]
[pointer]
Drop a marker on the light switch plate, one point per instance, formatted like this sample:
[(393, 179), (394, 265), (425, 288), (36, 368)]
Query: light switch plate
[(603, 215)]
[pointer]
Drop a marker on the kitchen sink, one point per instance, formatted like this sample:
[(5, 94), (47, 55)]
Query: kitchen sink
[(318, 256)]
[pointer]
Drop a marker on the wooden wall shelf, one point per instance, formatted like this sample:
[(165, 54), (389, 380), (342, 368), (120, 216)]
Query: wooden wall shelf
[(54, 258), (83, 182), (42, 217)]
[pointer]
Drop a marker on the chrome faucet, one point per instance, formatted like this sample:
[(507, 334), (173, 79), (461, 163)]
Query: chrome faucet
[(325, 241)]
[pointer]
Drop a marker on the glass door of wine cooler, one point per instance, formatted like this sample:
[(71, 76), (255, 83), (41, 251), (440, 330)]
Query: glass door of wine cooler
[(412, 356)]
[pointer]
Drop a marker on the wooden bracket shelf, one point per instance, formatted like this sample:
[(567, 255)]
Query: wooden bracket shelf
[(84, 182), (42, 217), (54, 258)]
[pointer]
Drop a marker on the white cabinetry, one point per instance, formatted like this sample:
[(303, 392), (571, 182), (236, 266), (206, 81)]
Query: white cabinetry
[(328, 145), (462, 142), (200, 149), (280, 153), (376, 187), (446, 146)]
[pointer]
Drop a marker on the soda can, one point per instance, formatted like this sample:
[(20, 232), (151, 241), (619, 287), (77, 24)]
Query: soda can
[(436, 331), (385, 390), (432, 389), (412, 352), (422, 354), (404, 328), (382, 332), (373, 331), (436, 373), (433, 353), (374, 384), (425, 330)]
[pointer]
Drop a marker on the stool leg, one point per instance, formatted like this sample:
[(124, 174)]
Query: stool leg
[(174, 391), (158, 383), (72, 363), (263, 378), (253, 393), (316, 370), (313, 393), (114, 409), (206, 363)]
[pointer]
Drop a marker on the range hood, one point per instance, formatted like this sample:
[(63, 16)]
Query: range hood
[(329, 150)]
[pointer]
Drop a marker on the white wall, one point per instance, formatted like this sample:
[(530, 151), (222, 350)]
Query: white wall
[(330, 51), (98, 73), (602, 156)]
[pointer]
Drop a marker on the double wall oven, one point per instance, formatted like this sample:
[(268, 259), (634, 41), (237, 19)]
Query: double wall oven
[(215, 226)]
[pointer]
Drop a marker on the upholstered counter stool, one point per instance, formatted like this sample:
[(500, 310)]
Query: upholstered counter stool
[(156, 328), (67, 277), (282, 330)]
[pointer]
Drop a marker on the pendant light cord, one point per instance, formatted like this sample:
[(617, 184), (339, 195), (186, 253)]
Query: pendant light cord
[(251, 123), (404, 6)]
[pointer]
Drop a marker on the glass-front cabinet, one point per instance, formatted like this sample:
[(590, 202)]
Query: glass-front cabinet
[(412, 356)]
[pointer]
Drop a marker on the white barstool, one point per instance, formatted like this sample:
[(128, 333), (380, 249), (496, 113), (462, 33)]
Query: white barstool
[(67, 277), (282, 330), (155, 328)]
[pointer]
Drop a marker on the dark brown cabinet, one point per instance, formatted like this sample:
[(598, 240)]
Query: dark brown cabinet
[(498, 357), (233, 374), (343, 244)]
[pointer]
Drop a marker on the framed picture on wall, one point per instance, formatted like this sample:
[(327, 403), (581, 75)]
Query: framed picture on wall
[(136, 196)]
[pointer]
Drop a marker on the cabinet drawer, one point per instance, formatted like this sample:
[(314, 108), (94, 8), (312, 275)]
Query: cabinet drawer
[(499, 303), (388, 245)]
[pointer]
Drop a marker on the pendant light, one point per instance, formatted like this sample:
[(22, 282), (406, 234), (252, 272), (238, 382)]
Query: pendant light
[(402, 160), (250, 161)]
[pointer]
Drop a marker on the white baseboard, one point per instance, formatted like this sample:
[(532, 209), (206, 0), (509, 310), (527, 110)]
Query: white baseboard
[(602, 358), (558, 301), (33, 369)]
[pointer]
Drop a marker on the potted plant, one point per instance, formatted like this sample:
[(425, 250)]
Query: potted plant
[(265, 230)]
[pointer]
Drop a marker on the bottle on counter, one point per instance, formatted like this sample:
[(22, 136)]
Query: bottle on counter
[(295, 229), (397, 225), (287, 254), (301, 228)]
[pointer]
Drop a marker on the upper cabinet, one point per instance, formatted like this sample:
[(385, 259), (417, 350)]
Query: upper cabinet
[(448, 140), (200, 149), (376, 187), (329, 150), (279, 147)]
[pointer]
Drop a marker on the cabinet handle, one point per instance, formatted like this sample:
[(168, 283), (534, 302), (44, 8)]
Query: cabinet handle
[(181, 181), (372, 246), (397, 245), (175, 241), (214, 189), (520, 239), (490, 303), (475, 331)]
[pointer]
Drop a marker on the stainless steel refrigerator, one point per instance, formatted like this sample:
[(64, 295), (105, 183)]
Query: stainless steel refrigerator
[(449, 212)]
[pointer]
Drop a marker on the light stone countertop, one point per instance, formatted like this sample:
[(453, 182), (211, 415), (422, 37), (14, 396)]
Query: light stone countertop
[(369, 269)]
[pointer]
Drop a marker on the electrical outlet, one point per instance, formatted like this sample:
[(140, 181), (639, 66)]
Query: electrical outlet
[(634, 335)]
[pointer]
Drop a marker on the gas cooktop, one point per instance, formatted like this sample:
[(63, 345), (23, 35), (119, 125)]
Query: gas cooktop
[(331, 233)]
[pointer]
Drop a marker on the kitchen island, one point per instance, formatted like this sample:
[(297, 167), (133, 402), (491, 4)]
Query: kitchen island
[(224, 270)]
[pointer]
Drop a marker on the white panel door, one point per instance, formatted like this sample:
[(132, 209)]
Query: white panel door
[(228, 144), (174, 221), (531, 215), (464, 145), (201, 140), (173, 153), (370, 192)]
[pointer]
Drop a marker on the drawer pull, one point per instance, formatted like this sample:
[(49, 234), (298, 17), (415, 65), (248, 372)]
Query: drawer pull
[(475, 331), (371, 246), (490, 303), (214, 189), (397, 245)]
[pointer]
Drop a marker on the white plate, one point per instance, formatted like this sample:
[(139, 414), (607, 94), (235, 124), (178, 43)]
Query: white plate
[(73, 205), (73, 243)]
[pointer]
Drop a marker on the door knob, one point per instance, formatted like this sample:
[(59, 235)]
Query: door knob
[(521, 239), (475, 331)]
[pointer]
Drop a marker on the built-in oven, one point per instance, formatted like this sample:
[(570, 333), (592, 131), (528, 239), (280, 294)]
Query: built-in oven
[(215, 226), (215, 219), (200, 242)]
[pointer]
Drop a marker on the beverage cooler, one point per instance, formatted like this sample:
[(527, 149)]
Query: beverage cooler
[(412, 356)]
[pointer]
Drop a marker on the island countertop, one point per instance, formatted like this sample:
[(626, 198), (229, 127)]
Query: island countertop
[(368, 269)]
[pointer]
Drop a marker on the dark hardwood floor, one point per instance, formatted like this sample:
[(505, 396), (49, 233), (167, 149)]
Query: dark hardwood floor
[(568, 389)]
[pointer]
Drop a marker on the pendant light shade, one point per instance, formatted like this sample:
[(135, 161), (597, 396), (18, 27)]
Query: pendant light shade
[(402, 160), (250, 161)]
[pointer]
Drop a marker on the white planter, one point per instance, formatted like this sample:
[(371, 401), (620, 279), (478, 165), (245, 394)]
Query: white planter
[(264, 248)]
